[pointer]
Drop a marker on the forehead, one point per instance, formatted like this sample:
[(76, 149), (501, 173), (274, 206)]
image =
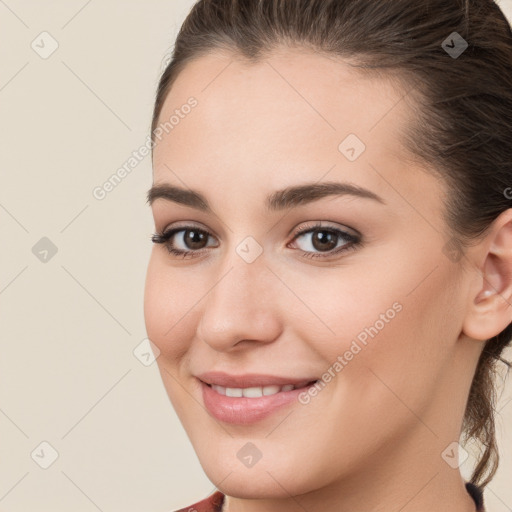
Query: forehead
[(281, 121)]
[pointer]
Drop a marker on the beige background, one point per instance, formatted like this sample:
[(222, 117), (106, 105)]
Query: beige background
[(69, 326)]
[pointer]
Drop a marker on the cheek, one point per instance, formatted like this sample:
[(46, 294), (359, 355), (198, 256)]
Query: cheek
[(404, 359), (390, 335), (169, 315), (169, 299)]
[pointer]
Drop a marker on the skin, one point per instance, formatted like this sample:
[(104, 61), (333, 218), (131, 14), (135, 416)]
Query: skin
[(372, 439)]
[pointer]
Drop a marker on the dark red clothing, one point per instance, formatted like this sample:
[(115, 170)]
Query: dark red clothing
[(211, 504), (214, 502)]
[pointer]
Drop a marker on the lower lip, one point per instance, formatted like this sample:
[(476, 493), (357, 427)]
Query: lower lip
[(243, 410)]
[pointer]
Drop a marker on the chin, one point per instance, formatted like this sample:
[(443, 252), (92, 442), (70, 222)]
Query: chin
[(273, 476), (258, 486)]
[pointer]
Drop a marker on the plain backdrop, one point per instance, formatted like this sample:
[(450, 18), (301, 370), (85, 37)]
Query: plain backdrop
[(77, 395)]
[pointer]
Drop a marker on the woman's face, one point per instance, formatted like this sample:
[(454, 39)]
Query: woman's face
[(359, 304)]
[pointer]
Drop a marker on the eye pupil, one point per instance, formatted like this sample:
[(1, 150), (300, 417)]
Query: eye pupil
[(194, 237), (324, 237)]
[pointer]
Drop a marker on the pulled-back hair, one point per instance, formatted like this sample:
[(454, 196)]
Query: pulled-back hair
[(463, 116)]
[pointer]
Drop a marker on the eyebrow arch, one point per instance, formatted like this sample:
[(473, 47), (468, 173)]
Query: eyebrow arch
[(276, 201)]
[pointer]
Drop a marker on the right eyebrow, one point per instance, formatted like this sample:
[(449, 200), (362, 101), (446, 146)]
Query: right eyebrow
[(279, 200)]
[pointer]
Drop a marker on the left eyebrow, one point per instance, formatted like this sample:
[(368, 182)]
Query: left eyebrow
[(279, 200)]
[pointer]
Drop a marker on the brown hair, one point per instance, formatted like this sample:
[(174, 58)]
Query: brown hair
[(463, 125)]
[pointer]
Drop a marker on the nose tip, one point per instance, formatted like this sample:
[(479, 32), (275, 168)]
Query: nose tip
[(239, 311)]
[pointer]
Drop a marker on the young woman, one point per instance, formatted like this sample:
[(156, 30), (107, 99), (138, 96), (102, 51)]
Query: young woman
[(331, 280)]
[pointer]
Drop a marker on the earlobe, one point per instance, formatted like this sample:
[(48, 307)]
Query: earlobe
[(490, 299)]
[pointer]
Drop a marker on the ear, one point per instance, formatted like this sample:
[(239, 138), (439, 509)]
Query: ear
[(490, 299)]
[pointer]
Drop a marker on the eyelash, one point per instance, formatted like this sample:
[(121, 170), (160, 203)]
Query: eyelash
[(354, 241)]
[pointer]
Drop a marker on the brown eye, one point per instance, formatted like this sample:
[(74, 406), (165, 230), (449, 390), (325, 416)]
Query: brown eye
[(324, 240), (195, 239), (190, 241), (183, 241), (321, 241)]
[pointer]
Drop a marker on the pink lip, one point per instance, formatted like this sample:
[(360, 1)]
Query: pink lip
[(244, 410), (248, 380)]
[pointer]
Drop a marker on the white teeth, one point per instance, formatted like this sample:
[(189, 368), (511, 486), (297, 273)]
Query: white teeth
[(254, 392), (271, 390), (219, 389), (234, 392)]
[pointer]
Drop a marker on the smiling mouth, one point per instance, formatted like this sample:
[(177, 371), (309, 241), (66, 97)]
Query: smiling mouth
[(259, 391), (250, 398)]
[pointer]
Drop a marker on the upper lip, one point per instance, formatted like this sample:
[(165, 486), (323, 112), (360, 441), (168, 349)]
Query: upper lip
[(248, 380)]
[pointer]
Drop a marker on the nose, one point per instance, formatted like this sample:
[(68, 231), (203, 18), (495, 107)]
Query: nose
[(242, 307)]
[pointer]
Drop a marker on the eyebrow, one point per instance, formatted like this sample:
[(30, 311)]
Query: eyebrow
[(277, 201)]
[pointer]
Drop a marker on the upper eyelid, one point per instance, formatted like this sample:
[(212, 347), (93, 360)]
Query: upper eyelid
[(298, 231), (315, 226), (350, 233)]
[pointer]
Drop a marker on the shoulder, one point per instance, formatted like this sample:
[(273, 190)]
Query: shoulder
[(212, 503)]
